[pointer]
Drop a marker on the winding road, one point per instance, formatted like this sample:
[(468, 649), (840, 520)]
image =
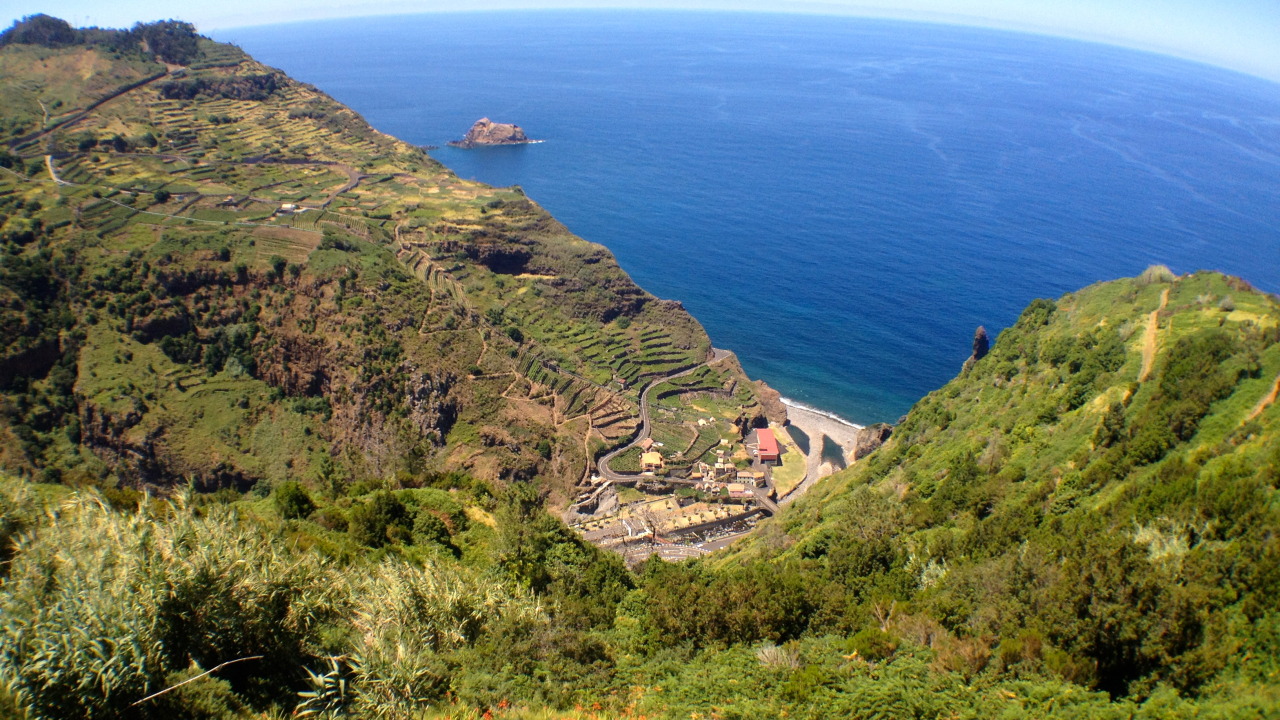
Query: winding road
[(645, 426)]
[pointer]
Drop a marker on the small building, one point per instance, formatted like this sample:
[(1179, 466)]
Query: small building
[(646, 444), (651, 462), (738, 490), (767, 446)]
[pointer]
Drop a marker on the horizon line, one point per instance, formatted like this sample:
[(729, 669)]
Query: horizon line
[(924, 18)]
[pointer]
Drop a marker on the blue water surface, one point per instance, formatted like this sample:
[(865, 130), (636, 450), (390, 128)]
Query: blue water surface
[(840, 201)]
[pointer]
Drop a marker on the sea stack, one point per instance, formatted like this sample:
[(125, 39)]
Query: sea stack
[(488, 132)]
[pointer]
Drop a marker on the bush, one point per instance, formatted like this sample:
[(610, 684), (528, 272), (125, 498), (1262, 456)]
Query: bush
[(874, 644), (429, 529), (292, 501), (381, 519), (101, 608), (1156, 274)]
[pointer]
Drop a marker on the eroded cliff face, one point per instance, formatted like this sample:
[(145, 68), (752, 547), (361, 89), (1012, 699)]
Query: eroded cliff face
[(488, 132)]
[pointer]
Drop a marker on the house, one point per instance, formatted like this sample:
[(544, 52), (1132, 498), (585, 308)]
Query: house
[(646, 444), (738, 490), (767, 446), (650, 462)]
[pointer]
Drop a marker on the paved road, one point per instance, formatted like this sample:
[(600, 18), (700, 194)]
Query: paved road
[(645, 426), (762, 497)]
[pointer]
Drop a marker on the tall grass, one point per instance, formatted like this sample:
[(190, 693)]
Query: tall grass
[(101, 609)]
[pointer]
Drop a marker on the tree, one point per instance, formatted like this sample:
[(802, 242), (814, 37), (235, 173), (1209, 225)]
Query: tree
[(330, 478), (40, 29), (172, 41)]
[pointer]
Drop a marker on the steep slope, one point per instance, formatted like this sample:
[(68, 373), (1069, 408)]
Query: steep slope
[(215, 272), (1096, 498)]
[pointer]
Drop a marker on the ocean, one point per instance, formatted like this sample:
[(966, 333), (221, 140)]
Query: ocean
[(840, 201)]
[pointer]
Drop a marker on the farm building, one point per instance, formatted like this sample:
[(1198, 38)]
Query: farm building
[(651, 462)]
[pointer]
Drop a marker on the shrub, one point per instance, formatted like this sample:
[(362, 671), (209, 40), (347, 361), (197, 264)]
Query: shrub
[(292, 501), (101, 608), (379, 520), (874, 644), (1156, 274)]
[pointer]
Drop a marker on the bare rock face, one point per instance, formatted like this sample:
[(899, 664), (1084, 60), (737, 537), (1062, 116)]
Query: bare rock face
[(771, 400), (870, 438), (488, 132)]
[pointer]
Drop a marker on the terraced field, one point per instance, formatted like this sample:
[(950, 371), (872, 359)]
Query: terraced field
[(312, 225)]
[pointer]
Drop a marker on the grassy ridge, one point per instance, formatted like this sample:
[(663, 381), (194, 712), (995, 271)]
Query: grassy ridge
[(1050, 510)]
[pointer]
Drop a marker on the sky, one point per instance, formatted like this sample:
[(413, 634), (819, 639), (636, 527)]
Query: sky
[(1242, 35)]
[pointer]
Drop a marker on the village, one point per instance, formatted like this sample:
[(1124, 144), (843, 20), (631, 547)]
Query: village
[(678, 509)]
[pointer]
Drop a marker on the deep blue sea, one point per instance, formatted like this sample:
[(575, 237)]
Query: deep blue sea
[(840, 201)]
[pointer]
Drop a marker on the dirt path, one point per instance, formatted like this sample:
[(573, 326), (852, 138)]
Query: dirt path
[(53, 173), (1149, 337), (79, 115), (1266, 402)]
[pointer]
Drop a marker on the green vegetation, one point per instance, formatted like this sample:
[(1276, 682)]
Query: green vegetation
[(207, 586), (1048, 513), (283, 400), (237, 277)]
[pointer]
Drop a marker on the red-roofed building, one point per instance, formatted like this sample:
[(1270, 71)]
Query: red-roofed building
[(767, 445)]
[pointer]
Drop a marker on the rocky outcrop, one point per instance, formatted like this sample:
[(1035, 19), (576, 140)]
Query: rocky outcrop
[(488, 132), (771, 401), (297, 365), (870, 438), (112, 437), (431, 406), (167, 320)]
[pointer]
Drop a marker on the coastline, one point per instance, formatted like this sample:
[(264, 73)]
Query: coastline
[(811, 410), (817, 424)]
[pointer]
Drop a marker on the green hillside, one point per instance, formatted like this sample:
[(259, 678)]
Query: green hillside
[(215, 273), (1095, 499), (283, 402)]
